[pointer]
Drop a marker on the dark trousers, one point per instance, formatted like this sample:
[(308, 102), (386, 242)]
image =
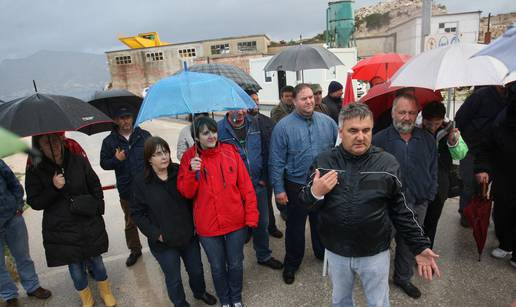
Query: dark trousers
[(272, 219), (169, 260), (131, 231), (295, 232), (470, 186), (435, 208), (504, 218), (404, 260)]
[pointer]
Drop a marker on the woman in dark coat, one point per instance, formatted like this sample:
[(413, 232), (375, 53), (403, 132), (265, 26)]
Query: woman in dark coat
[(165, 217), (69, 238)]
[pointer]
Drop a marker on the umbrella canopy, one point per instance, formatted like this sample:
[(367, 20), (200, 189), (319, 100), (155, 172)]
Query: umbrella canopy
[(449, 67), (301, 57), (243, 79), (192, 92), (380, 97), (111, 100), (478, 212), (11, 143), (382, 65), (43, 114), (349, 95), (503, 48)]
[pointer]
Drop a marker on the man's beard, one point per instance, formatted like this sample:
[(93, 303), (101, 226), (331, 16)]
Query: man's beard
[(402, 127)]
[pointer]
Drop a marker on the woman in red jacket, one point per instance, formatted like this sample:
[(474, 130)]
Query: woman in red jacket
[(215, 177)]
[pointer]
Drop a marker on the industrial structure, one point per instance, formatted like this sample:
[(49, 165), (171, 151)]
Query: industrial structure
[(340, 23)]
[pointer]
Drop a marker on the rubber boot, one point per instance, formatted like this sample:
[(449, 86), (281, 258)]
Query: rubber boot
[(106, 294), (86, 297)]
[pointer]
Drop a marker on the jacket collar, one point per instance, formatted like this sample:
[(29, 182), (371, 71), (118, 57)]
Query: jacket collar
[(348, 156), (393, 134), (210, 152), (172, 172)]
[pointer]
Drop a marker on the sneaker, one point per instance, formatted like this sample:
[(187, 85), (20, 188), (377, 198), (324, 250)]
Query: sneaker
[(239, 304), (40, 293), (133, 257), (272, 263), (225, 305), (409, 289), (500, 253)]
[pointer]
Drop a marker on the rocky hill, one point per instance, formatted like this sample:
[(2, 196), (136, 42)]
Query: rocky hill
[(376, 19), (499, 24)]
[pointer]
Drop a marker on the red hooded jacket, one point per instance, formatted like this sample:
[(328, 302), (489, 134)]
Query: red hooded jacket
[(223, 193)]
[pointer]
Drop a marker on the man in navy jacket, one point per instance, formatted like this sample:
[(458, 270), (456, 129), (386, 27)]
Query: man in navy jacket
[(122, 151)]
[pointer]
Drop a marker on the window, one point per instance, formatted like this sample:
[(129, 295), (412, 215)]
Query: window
[(122, 60), (154, 56), (220, 49), (268, 76), (247, 46), (448, 27), (187, 53)]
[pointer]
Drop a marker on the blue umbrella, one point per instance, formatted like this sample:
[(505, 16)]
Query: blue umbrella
[(503, 48), (192, 92)]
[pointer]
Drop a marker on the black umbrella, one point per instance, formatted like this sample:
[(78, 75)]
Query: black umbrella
[(43, 114), (243, 79), (301, 57), (111, 100)]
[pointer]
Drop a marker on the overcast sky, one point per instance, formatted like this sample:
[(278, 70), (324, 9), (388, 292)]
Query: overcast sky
[(93, 25)]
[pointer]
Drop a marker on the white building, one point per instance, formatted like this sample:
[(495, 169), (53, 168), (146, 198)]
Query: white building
[(444, 29), (272, 82)]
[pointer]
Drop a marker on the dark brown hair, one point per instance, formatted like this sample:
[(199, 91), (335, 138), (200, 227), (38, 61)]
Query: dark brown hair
[(300, 87), (149, 148)]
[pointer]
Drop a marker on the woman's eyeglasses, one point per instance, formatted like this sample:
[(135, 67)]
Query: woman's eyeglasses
[(160, 154)]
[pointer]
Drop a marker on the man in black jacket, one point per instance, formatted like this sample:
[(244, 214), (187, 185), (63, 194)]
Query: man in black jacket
[(357, 197), (474, 119), (122, 151), (333, 100)]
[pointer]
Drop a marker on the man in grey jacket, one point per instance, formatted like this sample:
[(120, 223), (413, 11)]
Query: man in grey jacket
[(296, 140)]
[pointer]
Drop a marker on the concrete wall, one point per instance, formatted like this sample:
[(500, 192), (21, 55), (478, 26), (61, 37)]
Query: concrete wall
[(240, 61), (368, 46)]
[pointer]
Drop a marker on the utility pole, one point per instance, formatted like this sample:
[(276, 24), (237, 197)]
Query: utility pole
[(426, 15)]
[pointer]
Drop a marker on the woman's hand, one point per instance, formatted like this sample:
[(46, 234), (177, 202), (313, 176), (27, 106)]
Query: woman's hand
[(58, 180), (195, 164)]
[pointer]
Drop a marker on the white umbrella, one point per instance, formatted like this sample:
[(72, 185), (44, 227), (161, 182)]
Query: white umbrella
[(503, 48), (449, 67), (510, 78)]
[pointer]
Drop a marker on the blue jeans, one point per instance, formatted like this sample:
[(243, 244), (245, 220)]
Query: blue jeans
[(260, 234), (14, 235), (80, 276), (374, 275), (226, 257), (169, 260), (295, 232)]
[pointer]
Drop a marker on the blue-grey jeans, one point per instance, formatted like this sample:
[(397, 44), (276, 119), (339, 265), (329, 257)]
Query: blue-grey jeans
[(373, 272), (226, 257), (80, 276), (261, 234), (14, 235)]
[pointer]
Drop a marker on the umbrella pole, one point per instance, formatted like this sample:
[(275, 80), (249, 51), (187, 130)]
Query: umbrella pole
[(448, 104)]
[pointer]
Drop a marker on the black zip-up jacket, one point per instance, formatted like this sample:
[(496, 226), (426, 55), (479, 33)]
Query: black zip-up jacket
[(355, 217), (157, 208), (127, 170)]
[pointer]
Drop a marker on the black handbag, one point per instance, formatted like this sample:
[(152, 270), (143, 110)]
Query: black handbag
[(86, 205)]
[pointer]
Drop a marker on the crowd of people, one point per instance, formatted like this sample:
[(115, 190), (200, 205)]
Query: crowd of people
[(318, 161)]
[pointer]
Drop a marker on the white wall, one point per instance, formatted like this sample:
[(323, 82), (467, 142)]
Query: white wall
[(270, 93), (408, 38)]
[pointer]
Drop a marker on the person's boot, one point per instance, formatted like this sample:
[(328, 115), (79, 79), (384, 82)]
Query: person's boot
[(133, 257), (86, 297), (106, 294)]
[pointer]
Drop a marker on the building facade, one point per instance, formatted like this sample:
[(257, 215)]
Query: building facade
[(136, 69)]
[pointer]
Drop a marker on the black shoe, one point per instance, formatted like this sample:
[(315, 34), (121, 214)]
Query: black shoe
[(207, 298), (272, 263), (464, 221), (13, 302), (40, 293), (409, 289), (276, 233), (289, 276), (133, 257)]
